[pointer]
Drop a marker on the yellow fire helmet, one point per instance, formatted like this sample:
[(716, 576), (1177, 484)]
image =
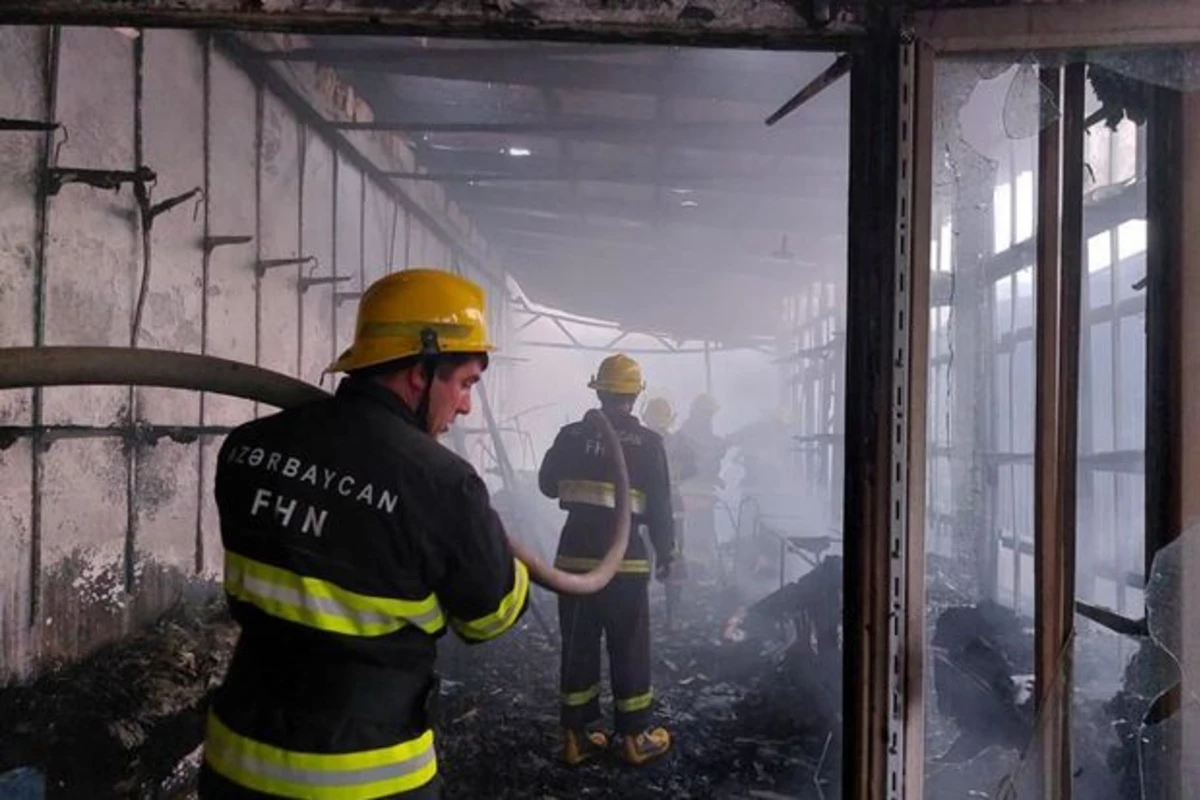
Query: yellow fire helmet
[(618, 374), (416, 312), (658, 414), (704, 405)]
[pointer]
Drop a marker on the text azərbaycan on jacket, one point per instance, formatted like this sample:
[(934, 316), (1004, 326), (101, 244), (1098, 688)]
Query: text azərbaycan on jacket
[(353, 541), (577, 472)]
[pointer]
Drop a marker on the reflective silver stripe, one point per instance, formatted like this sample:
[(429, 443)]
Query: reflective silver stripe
[(506, 612), (255, 586), (599, 493), (430, 619), (381, 772), (323, 605), (311, 777)]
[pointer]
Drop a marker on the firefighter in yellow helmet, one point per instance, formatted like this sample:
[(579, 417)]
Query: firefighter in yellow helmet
[(353, 541), (659, 416), (575, 471), (700, 491)]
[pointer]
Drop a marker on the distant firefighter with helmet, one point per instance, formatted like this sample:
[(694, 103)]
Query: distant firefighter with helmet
[(681, 461), (700, 491), (575, 471)]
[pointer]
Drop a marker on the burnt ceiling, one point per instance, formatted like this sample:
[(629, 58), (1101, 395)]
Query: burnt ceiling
[(630, 182), (633, 183), (760, 23)]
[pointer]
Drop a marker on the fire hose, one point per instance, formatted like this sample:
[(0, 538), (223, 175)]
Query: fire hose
[(30, 367)]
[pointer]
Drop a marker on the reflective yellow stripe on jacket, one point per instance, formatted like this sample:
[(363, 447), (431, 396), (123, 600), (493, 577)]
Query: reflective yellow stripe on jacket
[(630, 566), (364, 775), (323, 605), (599, 493), (507, 613)]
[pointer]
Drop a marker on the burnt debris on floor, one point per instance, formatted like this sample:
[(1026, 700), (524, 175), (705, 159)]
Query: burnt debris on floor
[(749, 685), (752, 697), (120, 722)]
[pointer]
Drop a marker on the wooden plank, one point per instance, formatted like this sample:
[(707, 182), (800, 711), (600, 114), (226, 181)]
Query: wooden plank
[(1059, 26), (739, 23), (1173, 379), (1059, 279), (1047, 503)]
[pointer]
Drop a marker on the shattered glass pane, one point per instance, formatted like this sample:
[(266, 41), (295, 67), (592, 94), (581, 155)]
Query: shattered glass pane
[(1123, 696), (979, 538), (1173, 68), (1027, 108)]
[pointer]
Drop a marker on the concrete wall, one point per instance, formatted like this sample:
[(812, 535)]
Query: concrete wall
[(100, 532)]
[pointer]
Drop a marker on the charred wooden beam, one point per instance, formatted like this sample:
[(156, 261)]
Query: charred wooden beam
[(703, 75), (742, 23)]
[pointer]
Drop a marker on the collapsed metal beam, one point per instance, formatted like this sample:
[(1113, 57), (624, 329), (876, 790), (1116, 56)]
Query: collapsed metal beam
[(813, 88)]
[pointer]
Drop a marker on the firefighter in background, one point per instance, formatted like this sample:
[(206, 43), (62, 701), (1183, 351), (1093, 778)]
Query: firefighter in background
[(700, 492), (575, 470), (681, 462), (353, 540)]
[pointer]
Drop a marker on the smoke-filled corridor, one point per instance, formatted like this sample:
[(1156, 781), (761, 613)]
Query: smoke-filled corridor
[(258, 184), (781, 400)]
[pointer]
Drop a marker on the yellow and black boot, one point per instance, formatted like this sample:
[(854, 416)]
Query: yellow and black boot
[(582, 746), (637, 749)]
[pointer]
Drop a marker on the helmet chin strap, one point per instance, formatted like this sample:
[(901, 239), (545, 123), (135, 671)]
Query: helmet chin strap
[(429, 357)]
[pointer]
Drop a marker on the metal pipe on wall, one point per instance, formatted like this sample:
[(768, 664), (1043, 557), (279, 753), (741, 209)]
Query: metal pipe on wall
[(48, 160)]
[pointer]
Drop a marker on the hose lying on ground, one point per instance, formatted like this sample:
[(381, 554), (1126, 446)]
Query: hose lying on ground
[(29, 367)]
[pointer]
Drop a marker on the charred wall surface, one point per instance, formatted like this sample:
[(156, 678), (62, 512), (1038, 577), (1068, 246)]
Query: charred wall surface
[(106, 514)]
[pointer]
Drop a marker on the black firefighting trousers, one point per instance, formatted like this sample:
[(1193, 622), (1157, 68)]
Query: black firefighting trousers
[(318, 705), (621, 614)]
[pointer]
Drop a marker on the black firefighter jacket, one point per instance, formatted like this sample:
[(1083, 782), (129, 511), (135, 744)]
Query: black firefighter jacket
[(577, 471), (353, 540)]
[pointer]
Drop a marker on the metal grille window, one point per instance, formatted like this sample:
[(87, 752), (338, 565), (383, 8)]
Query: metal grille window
[(815, 319), (939, 485), (1112, 418), (1013, 361)]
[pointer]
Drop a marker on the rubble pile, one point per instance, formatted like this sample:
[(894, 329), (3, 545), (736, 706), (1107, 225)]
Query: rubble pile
[(755, 715), (751, 693), (120, 722)]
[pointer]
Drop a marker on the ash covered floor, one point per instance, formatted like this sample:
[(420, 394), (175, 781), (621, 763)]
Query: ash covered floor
[(747, 722)]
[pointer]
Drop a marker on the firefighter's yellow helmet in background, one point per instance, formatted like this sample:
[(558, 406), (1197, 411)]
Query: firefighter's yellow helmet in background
[(618, 374), (704, 405), (658, 414), (416, 312)]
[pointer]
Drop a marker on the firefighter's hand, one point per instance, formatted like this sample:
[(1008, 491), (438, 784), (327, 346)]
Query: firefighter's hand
[(662, 572)]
